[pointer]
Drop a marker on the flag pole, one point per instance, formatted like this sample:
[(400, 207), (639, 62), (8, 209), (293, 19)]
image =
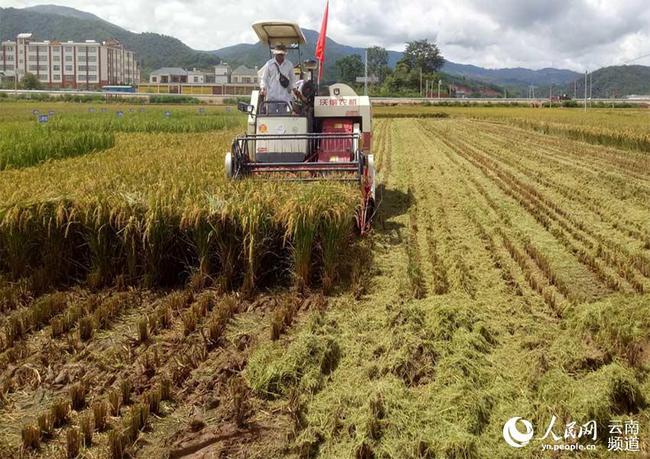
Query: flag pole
[(321, 45)]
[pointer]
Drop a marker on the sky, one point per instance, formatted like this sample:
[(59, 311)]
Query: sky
[(572, 34)]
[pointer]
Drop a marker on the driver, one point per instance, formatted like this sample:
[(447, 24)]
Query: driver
[(278, 80)]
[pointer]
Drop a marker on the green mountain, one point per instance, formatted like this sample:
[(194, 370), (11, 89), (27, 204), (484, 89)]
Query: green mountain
[(257, 54), (51, 22), (62, 11), (512, 76), (614, 81), (607, 82)]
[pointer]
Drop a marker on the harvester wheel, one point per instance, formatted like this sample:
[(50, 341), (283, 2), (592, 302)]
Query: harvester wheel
[(370, 212), (229, 165), (371, 176)]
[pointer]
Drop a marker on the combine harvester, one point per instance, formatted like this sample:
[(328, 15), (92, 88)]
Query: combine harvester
[(324, 136)]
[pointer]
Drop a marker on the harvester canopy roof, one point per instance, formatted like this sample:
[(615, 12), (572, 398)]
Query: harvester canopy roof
[(279, 33)]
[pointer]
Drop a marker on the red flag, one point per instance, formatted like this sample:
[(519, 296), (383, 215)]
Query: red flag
[(322, 38)]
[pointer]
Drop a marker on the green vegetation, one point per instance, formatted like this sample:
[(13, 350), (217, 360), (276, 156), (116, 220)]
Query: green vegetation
[(147, 120), (610, 82), (173, 100), (348, 68), (421, 62), (30, 81)]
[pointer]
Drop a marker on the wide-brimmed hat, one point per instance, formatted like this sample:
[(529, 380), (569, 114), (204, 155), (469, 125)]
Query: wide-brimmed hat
[(279, 49)]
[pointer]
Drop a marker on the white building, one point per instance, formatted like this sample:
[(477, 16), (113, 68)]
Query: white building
[(245, 75), (196, 76), (166, 75), (69, 64), (222, 73)]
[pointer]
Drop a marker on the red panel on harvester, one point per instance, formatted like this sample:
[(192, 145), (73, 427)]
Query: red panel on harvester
[(334, 150)]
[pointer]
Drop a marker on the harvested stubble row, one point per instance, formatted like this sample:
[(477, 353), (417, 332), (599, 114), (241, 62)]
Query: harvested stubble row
[(510, 321), (157, 208), (620, 128)]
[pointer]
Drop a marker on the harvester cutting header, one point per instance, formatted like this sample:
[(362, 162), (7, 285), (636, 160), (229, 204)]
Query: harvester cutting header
[(299, 131)]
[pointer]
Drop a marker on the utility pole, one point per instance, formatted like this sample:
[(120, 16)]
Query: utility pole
[(591, 87), (365, 83), (575, 89), (586, 90), (550, 96), (439, 84)]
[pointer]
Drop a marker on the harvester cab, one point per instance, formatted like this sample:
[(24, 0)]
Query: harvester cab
[(323, 134)]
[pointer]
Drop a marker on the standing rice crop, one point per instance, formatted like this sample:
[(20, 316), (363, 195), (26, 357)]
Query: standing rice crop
[(321, 214), (29, 145), (130, 215)]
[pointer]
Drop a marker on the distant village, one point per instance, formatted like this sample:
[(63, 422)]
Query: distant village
[(93, 65), (222, 81)]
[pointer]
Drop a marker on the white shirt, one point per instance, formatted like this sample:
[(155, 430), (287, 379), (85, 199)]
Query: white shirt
[(271, 80)]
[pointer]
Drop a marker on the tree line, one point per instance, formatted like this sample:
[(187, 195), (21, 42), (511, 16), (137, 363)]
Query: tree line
[(420, 62)]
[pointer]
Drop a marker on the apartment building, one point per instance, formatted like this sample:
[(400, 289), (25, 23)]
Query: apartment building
[(86, 65)]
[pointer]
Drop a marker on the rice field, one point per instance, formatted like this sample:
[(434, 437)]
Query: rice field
[(623, 128), (149, 308), (30, 135)]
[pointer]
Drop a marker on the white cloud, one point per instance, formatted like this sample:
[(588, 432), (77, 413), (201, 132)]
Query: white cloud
[(575, 34)]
